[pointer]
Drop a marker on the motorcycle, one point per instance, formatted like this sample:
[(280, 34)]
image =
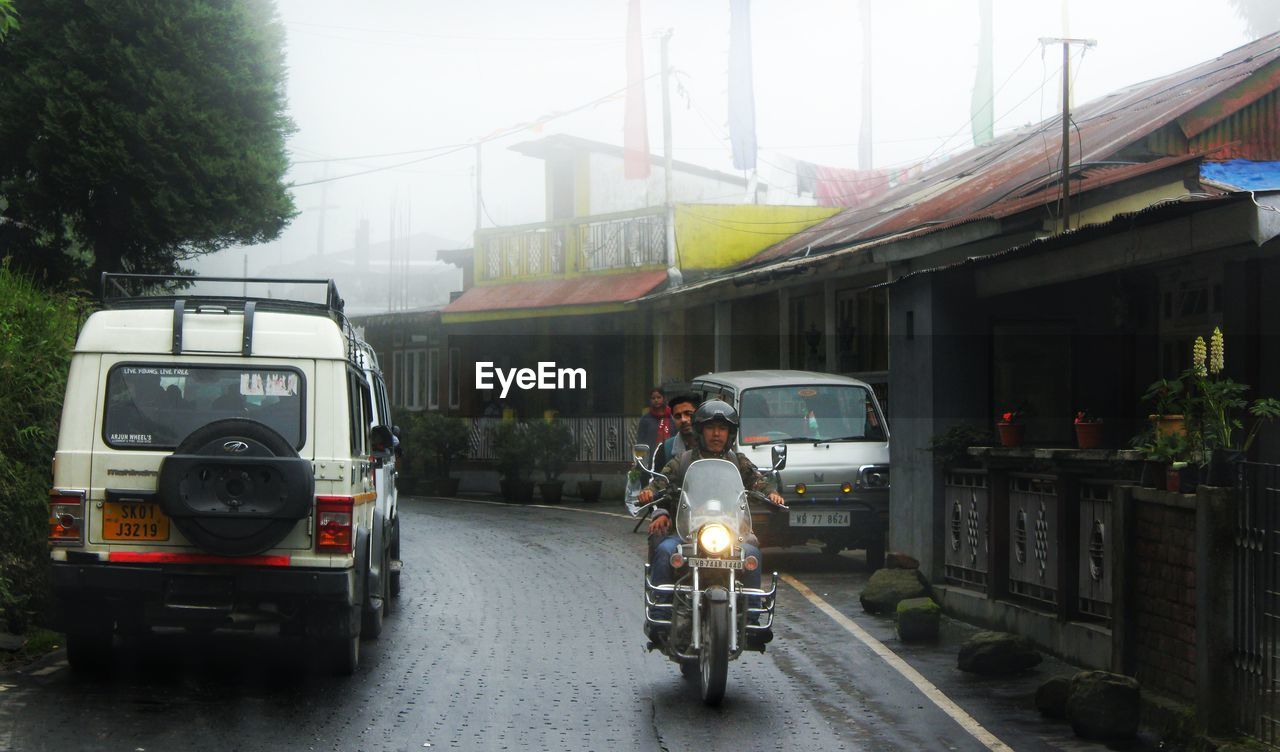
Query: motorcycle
[(712, 616)]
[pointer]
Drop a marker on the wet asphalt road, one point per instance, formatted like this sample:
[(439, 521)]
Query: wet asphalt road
[(519, 628)]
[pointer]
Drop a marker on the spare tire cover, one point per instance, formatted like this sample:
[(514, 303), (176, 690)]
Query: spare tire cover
[(235, 487)]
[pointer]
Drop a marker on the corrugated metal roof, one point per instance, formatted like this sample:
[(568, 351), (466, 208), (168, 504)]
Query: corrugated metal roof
[(1156, 212), (971, 183), (1093, 177), (547, 293)]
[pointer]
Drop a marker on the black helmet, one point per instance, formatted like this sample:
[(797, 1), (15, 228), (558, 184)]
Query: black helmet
[(712, 411)]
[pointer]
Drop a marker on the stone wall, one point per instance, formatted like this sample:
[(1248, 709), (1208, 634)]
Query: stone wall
[(1164, 595)]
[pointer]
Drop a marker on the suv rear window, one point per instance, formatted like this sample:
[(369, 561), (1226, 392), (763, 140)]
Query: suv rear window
[(156, 407), (809, 413)]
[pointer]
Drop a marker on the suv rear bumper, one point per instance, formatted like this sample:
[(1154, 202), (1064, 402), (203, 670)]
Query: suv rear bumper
[(91, 594)]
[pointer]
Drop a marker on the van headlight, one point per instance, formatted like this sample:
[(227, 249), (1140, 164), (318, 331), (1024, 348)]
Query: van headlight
[(714, 538), (875, 477)]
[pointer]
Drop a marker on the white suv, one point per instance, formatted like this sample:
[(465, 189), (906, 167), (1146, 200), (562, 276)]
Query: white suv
[(217, 468)]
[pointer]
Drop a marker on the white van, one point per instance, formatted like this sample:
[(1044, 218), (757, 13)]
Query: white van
[(216, 468), (837, 476)]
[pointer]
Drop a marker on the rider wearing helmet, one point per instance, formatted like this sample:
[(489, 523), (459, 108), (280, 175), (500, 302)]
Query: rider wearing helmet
[(714, 424)]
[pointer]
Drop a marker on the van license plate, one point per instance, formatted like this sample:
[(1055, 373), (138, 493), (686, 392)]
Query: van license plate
[(716, 563), (133, 521), (811, 518)]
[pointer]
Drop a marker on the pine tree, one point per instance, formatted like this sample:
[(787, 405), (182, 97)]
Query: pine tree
[(137, 133)]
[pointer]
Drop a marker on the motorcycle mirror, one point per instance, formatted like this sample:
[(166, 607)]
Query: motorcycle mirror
[(779, 456), (641, 453)]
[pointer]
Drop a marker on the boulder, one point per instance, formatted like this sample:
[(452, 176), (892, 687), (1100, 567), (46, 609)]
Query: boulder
[(1051, 697), (1103, 706), (997, 654), (888, 587), (899, 560), (918, 620)]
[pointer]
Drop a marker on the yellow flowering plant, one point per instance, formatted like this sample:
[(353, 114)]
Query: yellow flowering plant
[(1220, 403)]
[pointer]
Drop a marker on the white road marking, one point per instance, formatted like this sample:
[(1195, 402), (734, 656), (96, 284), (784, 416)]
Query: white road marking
[(48, 670), (935, 695)]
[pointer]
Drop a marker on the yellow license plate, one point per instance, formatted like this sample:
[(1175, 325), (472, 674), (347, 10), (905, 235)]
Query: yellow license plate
[(133, 521)]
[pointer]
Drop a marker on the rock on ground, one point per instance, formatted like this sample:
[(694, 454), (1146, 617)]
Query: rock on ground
[(899, 560), (918, 620), (997, 654), (888, 587), (1103, 706)]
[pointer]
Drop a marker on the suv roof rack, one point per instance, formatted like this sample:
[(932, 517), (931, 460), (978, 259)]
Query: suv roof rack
[(162, 290), (167, 291)]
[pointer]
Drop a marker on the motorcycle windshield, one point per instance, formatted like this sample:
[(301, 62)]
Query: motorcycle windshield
[(713, 492)]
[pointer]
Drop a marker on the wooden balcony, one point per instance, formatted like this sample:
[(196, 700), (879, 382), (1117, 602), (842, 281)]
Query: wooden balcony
[(626, 240)]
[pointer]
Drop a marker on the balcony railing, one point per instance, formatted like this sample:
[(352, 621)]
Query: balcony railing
[(606, 241)]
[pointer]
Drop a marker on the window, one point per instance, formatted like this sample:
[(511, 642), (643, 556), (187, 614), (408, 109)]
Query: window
[(1190, 306), (397, 379), (408, 377), (153, 406), (433, 379), (455, 378)]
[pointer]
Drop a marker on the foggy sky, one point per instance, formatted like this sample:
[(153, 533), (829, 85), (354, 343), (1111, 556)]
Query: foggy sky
[(385, 76)]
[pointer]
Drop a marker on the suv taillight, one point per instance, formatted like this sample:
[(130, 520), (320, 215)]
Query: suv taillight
[(66, 517), (333, 524)]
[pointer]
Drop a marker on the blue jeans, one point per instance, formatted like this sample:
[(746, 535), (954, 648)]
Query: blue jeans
[(660, 572)]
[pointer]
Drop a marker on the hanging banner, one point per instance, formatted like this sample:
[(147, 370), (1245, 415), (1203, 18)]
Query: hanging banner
[(742, 102), (635, 132)]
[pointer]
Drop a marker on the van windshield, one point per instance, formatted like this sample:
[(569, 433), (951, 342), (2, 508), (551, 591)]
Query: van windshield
[(156, 407), (809, 413)]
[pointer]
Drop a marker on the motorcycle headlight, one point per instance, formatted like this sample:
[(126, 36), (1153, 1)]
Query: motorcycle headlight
[(714, 538)]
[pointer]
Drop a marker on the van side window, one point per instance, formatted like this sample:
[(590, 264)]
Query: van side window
[(359, 412)]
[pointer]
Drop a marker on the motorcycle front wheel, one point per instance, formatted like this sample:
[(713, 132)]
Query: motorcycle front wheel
[(713, 658)]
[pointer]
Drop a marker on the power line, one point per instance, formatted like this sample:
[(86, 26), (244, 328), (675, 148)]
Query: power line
[(456, 37), (374, 156), (492, 137)]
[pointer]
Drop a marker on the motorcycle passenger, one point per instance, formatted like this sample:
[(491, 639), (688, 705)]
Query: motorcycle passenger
[(714, 424), (683, 407)]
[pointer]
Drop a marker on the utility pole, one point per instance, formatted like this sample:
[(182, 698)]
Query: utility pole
[(479, 198), (668, 198), (1066, 119), (864, 133)]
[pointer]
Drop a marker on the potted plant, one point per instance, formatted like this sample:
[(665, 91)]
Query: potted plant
[(1159, 451), (1221, 404), (554, 447), (589, 489), (1167, 398), (513, 454), (448, 438), (1011, 428), (1088, 430)]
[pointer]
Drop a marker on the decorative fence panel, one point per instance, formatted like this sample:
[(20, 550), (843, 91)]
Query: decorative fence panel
[(1256, 612), (968, 500), (1034, 549), (600, 439), (1095, 562)]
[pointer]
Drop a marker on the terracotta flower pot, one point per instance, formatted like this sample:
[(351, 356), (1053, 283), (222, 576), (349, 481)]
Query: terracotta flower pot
[(1173, 479), (1011, 434), (1088, 435), (1169, 425)]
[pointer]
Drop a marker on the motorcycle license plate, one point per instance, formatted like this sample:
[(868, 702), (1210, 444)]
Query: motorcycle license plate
[(716, 563), (133, 521), (819, 518)]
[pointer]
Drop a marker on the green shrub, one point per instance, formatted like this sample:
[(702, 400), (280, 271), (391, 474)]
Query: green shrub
[(446, 438), (553, 447), (37, 333)]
